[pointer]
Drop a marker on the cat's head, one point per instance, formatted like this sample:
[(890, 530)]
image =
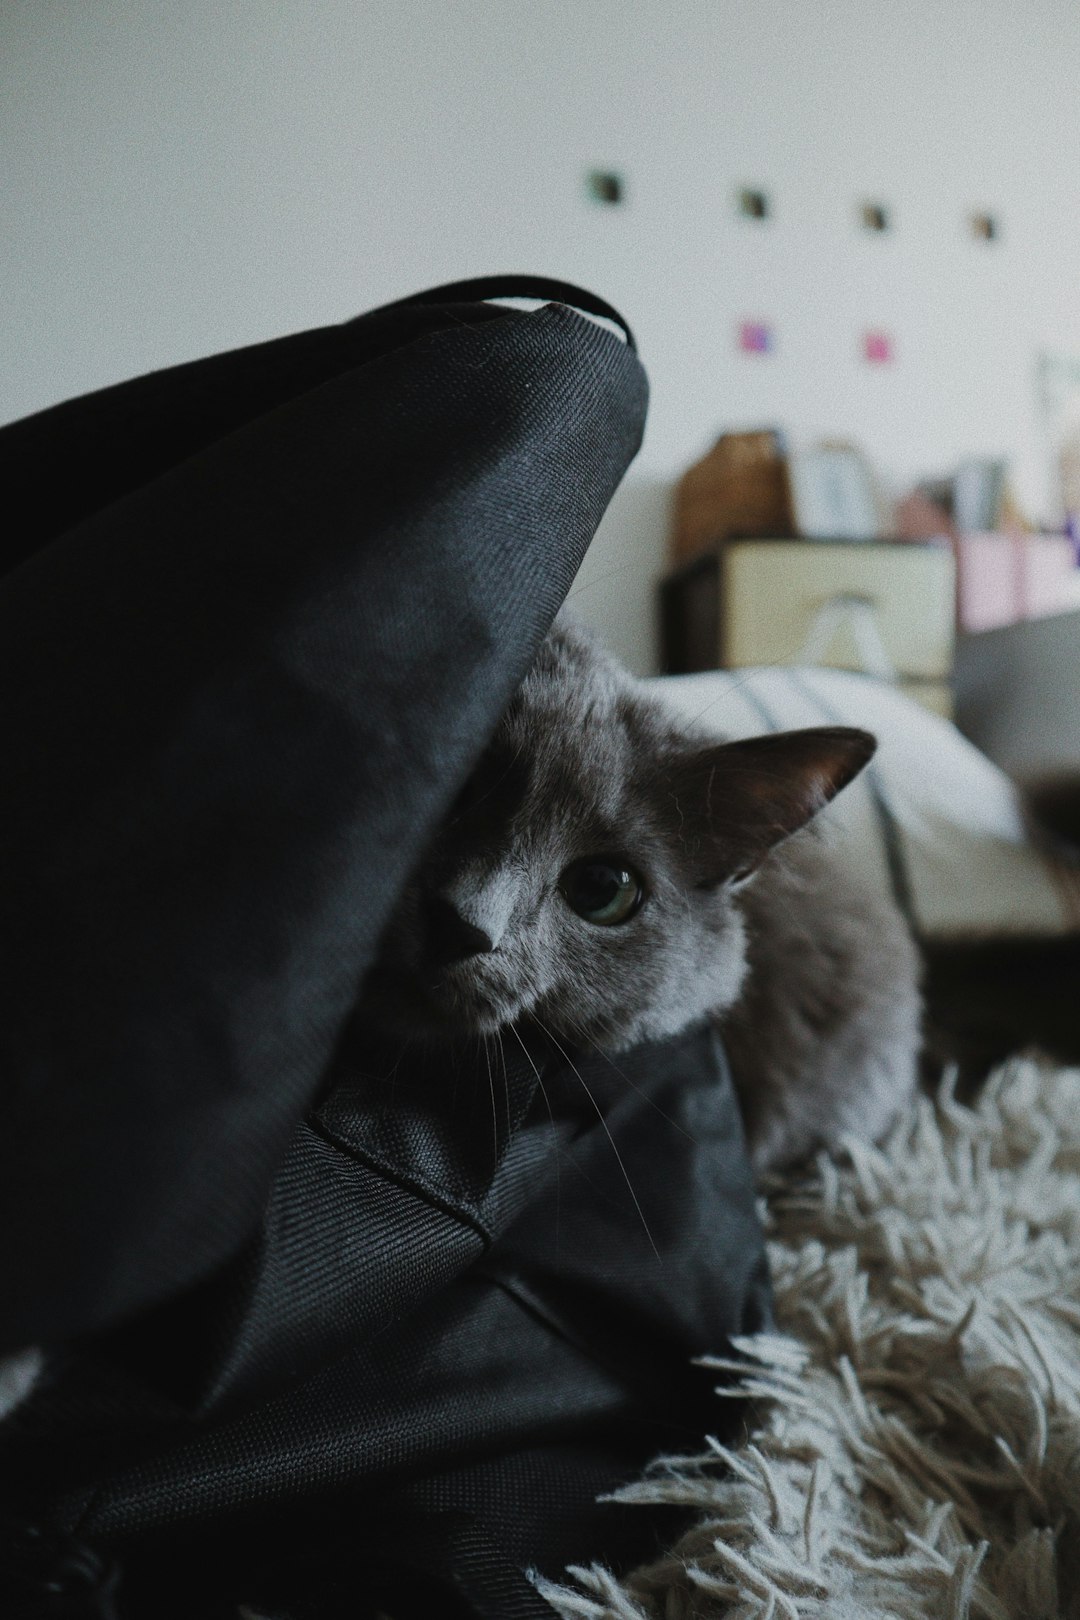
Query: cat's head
[(588, 876)]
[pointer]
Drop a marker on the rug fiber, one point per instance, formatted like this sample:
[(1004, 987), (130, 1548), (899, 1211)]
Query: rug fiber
[(913, 1448)]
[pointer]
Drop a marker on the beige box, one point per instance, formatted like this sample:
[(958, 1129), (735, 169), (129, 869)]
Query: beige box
[(937, 696), (777, 598)]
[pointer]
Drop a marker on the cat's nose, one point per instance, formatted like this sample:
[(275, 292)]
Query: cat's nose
[(450, 936)]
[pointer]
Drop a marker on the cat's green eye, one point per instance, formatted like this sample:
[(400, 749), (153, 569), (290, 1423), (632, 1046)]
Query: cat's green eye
[(603, 890)]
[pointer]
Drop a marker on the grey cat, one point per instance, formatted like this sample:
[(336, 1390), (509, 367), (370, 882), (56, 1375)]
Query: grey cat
[(615, 878)]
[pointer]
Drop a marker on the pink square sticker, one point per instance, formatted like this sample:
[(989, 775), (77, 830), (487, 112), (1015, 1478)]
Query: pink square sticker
[(755, 337), (877, 348)]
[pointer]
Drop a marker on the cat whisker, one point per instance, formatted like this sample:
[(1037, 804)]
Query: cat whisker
[(389, 1080), (494, 1111), (729, 690), (584, 1035), (554, 1128), (501, 1049), (600, 579), (600, 1116)]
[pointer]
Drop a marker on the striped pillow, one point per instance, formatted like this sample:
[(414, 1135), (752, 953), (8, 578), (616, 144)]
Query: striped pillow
[(931, 816)]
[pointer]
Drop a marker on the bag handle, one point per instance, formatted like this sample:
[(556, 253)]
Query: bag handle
[(860, 614), (479, 288)]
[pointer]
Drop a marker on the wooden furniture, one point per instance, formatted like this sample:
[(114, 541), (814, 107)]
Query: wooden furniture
[(739, 487), (881, 606)]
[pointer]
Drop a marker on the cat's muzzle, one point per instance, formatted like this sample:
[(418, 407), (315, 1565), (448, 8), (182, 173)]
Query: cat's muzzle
[(437, 1003)]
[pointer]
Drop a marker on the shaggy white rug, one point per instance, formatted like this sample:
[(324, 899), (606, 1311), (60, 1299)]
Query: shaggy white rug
[(916, 1451)]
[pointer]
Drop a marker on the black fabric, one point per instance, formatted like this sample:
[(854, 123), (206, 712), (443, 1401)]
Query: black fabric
[(457, 1399), (327, 1325), (232, 705)]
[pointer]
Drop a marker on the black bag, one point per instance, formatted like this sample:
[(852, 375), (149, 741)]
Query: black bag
[(327, 1329)]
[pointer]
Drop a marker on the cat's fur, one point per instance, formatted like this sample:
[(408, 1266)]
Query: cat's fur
[(747, 919)]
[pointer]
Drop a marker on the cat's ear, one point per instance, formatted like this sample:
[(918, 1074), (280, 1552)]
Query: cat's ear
[(736, 801)]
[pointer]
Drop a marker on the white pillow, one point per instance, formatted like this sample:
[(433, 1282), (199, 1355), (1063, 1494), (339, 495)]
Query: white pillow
[(931, 816)]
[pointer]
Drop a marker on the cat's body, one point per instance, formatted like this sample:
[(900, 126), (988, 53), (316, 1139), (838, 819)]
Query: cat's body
[(825, 1038), (742, 917)]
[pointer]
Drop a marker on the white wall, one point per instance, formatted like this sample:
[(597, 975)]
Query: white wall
[(189, 177)]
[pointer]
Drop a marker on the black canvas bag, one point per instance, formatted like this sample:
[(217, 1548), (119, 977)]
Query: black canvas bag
[(327, 1328)]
